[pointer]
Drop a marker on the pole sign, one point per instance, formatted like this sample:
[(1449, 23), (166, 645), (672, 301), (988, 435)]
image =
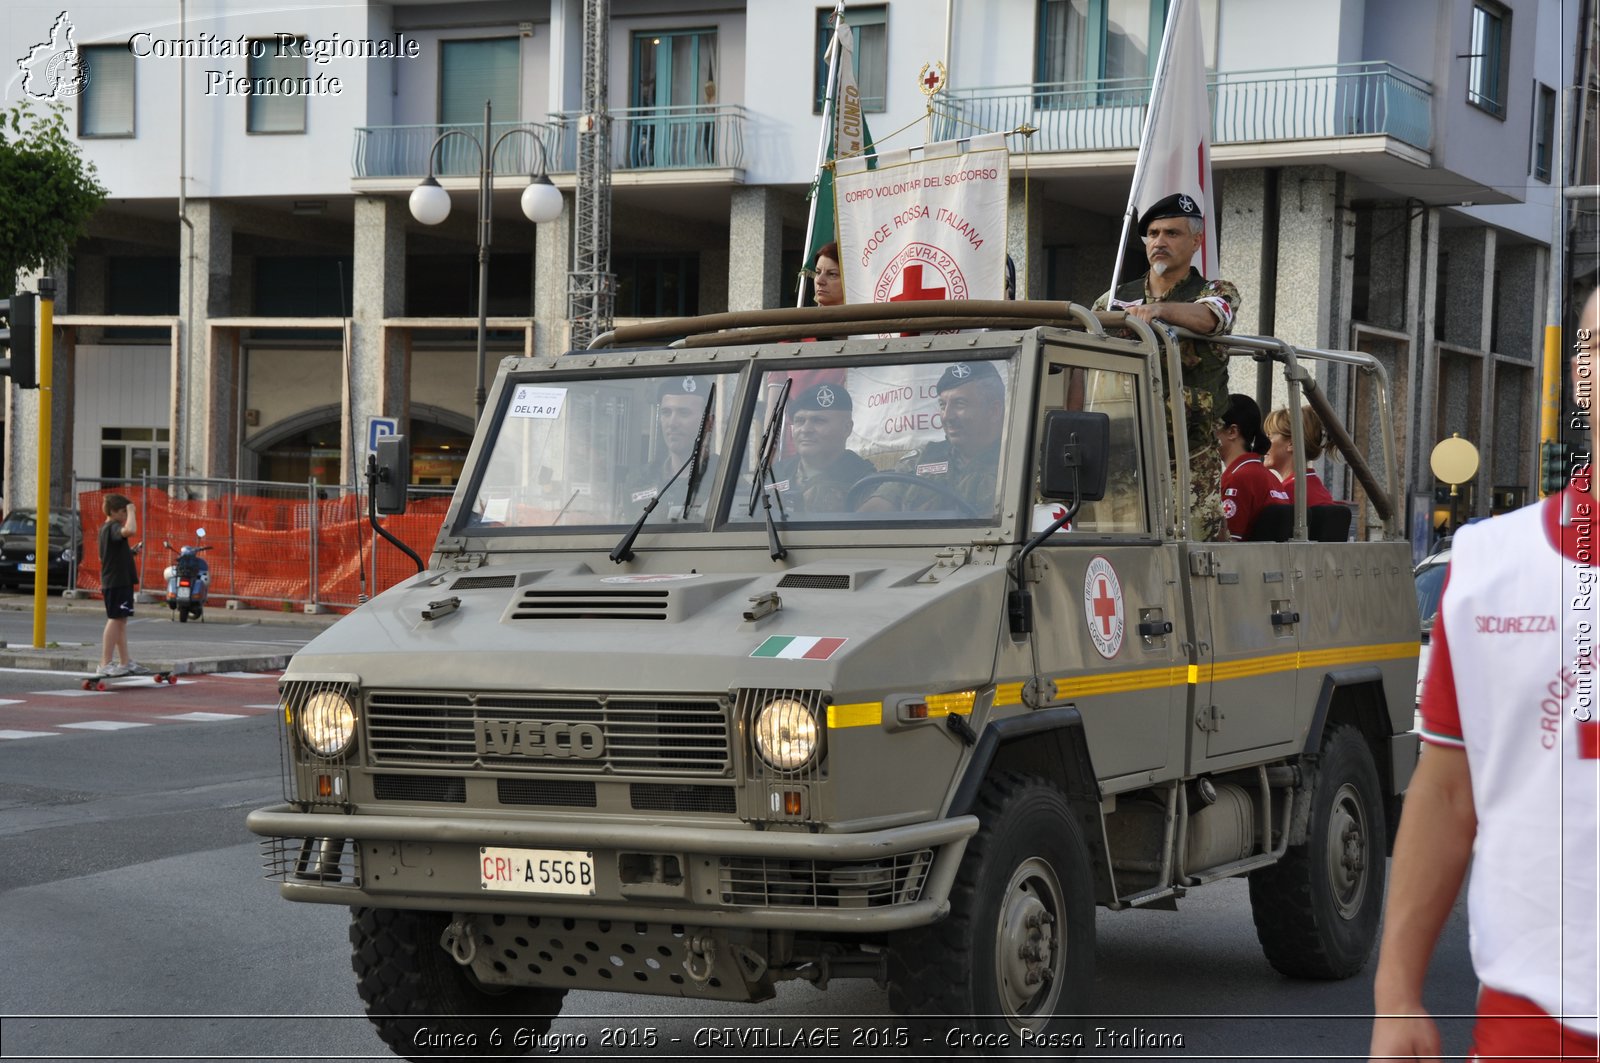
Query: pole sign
[(377, 428)]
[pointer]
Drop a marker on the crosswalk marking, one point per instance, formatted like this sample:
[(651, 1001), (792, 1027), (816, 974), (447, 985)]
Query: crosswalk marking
[(9, 735), (104, 725), (205, 717), (72, 693)]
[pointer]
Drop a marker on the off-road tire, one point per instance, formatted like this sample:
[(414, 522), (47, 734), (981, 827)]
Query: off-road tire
[(1027, 859), (410, 984), (1316, 911)]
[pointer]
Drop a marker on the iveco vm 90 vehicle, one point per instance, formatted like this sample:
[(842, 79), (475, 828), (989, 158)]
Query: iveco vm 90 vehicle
[(754, 654)]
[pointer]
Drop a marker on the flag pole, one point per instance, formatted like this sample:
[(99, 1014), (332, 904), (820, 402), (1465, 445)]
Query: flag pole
[(1158, 85), (822, 144)]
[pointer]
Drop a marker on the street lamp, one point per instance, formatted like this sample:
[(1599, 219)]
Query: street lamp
[(430, 205)]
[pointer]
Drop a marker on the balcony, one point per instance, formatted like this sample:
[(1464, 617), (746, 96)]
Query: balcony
[(1247, 106), (642, 139)]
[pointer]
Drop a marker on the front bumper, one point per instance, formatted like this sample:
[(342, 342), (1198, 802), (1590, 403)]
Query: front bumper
[(882, 880)]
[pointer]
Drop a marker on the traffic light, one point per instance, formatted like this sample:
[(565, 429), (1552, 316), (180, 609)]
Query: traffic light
[(1553, 466), (17, 336)]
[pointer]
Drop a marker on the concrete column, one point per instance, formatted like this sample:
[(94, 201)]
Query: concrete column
[(1025, 240), (1386, 227), (755, 249), (22, 416), (1468, 284), (1313, 283), (378, 383), (552, 262), (203, 443), (1241, 230)]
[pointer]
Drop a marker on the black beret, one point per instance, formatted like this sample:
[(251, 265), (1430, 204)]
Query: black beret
[(1177, 205), (683, 385), (963, 373), (822, 397)]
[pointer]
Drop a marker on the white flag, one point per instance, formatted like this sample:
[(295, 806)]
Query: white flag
[(1175, 153), (932, 227)]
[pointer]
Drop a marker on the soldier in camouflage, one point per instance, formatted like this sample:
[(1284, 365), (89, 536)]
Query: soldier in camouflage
[(818, 477), (1175, 292), (965, 464)]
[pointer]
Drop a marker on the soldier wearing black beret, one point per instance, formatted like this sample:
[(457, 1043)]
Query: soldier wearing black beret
[(1174, 291), (818, 475), (681, 402), (965, 464)]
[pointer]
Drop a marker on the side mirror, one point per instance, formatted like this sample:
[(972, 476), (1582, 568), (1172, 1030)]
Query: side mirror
[(394, 474), (1074, 456)]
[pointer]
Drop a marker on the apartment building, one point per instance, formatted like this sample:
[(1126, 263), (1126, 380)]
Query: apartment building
[(255, 289)]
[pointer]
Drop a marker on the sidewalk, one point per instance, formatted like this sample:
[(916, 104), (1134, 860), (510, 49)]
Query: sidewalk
[(172, 652)]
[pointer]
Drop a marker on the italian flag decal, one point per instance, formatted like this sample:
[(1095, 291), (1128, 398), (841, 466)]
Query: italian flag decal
[(799, 647)]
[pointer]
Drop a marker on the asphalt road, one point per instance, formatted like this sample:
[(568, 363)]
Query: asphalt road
[(137, 923)]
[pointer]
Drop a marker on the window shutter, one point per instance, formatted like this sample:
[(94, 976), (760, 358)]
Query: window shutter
[(106, 106), (473, 71), (280, 111)]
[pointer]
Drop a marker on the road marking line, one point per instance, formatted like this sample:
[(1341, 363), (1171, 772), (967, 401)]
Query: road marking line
[(272, 706), (7, 735), (71, 693), (245, 675), (104, 725), (205, 717), (10, 701)]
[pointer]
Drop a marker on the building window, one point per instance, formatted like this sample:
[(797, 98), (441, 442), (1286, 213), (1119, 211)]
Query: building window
[(672, 90), (658, 285), (1107, 40), (1544, 129), (1489, 58), (129, 453), (471, 72), (276, 103), (871, 25), (106, 107)]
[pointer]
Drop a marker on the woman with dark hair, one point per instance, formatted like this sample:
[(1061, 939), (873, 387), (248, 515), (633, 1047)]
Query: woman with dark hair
[(1246, 483), (827, 285), (1280, 454)]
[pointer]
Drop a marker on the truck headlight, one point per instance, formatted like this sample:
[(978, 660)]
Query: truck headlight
[(327, 723), (786, 734)]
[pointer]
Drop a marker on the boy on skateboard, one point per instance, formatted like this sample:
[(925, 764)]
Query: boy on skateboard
[(117, 577)]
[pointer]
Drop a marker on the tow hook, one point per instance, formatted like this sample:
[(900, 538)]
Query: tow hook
[(702, 958), (460, 940)]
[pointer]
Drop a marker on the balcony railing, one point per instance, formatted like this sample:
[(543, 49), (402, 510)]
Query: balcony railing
[(642, 138), (1293, 103), (402, 150)]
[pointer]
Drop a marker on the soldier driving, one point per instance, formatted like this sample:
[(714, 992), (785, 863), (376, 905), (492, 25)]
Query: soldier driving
[(966, 463)]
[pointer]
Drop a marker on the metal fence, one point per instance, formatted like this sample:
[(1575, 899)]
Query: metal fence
[(273, 545)]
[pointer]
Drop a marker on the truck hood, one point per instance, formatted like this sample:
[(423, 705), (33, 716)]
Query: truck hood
[(849, 626)]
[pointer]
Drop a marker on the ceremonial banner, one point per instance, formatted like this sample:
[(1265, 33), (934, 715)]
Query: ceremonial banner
[(845, 135), (928, 224), (1175, 151)]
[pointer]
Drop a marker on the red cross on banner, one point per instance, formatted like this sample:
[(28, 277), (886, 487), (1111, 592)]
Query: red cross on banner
[(912, 288), (1105, 606)]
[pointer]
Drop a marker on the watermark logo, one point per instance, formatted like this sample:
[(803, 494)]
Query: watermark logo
[(54, 69)]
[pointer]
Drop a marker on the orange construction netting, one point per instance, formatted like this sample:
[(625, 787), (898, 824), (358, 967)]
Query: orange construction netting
[(261, 548)]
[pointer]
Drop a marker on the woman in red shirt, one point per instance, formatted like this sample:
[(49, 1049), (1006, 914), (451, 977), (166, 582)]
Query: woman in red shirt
[(1246, 483), (1280, 455)]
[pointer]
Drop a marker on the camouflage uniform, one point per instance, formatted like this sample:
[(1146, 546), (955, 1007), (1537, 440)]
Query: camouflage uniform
[(642, 483), (1205, 392), (824, 490), (973, 480)]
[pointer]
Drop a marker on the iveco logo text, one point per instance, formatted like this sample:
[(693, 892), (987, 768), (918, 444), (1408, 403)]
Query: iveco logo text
[(530, 738)]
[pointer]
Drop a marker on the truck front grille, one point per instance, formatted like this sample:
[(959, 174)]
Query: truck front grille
[(772, 883), (545, 734)]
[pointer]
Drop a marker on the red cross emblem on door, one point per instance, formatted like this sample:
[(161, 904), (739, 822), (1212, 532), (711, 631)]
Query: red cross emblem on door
[(1105, 607), (1102, 607)]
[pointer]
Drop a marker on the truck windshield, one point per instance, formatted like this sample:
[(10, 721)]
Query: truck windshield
[(590, 452), (879, 441)]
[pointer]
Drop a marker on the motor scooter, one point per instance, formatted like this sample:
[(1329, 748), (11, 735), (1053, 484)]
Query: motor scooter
[(188, 580)]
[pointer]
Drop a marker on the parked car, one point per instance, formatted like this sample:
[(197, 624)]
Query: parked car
[(1429, 576), (17, 558)]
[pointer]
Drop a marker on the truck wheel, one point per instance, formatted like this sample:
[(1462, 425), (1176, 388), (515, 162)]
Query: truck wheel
[(424, 1004), (1016, 951), (1316, 911)]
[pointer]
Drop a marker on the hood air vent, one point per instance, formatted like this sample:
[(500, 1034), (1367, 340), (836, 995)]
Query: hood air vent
[(816, 581), (591, 605), (476, 583)]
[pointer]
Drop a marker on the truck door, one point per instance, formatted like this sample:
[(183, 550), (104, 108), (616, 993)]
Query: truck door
[(1109, 589), (1245, 602)]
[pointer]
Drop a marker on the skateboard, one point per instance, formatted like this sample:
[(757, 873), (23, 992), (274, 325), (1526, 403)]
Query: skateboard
[(98, 682)]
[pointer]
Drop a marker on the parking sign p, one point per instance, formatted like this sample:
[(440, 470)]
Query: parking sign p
[(377, 428)]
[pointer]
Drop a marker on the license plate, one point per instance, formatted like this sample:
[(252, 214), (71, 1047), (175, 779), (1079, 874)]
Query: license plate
[(25, 566), (183, 594), (564, 871)]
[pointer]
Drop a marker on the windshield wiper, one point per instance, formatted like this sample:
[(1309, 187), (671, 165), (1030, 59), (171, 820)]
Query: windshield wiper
[(623, 551), (763, 480)]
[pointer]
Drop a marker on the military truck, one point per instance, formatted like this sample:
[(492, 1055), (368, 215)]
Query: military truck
[(654, 719)]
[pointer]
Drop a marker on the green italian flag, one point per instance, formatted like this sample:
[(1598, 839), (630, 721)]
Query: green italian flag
[(799, 647)]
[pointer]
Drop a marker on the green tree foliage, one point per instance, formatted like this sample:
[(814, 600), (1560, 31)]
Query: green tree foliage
[(48, 190)]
